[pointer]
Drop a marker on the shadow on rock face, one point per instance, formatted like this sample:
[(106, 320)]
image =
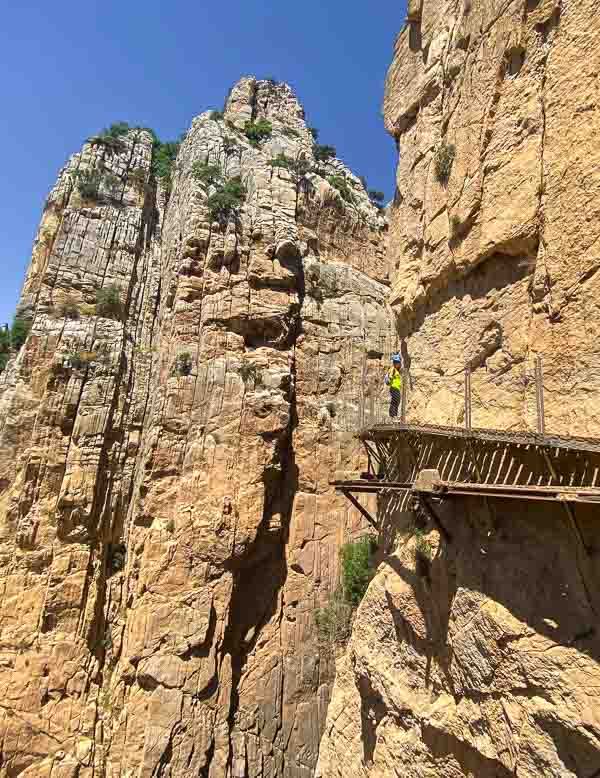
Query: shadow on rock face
[(576, 749), (444, 746), (529, 562), (372, 710)]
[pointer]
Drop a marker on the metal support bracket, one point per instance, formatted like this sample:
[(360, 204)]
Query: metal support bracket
[(427, 507), (361, 509), (568, 508)]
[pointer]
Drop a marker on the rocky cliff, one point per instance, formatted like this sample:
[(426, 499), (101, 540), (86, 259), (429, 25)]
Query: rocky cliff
[(167, 436), (488, 665)]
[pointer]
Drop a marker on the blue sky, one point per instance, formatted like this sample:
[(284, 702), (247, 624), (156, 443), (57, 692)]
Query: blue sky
[(71, 68)]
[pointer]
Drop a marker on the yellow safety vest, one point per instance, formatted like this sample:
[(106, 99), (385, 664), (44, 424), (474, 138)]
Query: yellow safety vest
[(395, 377)]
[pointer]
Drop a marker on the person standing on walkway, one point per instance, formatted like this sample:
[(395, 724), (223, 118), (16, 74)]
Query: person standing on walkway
[(393, 380)]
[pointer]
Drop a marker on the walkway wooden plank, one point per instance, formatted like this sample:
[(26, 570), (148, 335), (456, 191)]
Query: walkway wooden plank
[(519, 437)]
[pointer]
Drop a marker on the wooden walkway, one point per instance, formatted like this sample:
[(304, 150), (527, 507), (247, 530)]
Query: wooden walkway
[(432, 461), (516, 437)]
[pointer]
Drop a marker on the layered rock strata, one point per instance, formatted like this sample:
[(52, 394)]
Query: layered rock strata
[(165, 531), (487, 665)]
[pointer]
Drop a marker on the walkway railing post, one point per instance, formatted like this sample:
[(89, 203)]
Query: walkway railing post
[(468, 398), (404, 394), (363, 398), (539, 392)]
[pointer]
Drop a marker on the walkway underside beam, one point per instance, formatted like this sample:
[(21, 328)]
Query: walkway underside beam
[(442, 489)]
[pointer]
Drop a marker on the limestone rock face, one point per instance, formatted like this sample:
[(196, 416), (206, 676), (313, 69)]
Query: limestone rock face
[(489, 665), (497, 262), (166, 521)]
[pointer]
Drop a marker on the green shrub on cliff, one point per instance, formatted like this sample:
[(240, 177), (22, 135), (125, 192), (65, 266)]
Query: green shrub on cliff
[(88, 183), (250, 374), (138, 178), (422, 545), (163, 161), (334, 620), (357, 569), (207, 174), (183, 364), (68, 308), (112, 137), (256, 132), (11, 339), (324, 153), (19, 332), (230, 145), (4, 346), (227, 200), (116, 130), (298, 167), (343, 187), (113, 185), (108, 302)]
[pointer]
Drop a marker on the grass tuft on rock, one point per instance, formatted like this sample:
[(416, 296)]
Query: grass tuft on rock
[(443, 160), (250, 374), (183, 364), (108, 302)]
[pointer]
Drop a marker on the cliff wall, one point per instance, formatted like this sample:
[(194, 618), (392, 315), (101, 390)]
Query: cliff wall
[(497, 261), (487, 663), (166, 522)]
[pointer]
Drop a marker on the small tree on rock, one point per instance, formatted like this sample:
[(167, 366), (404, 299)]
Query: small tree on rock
[(357, 569), (68, 308), (88, 183)]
